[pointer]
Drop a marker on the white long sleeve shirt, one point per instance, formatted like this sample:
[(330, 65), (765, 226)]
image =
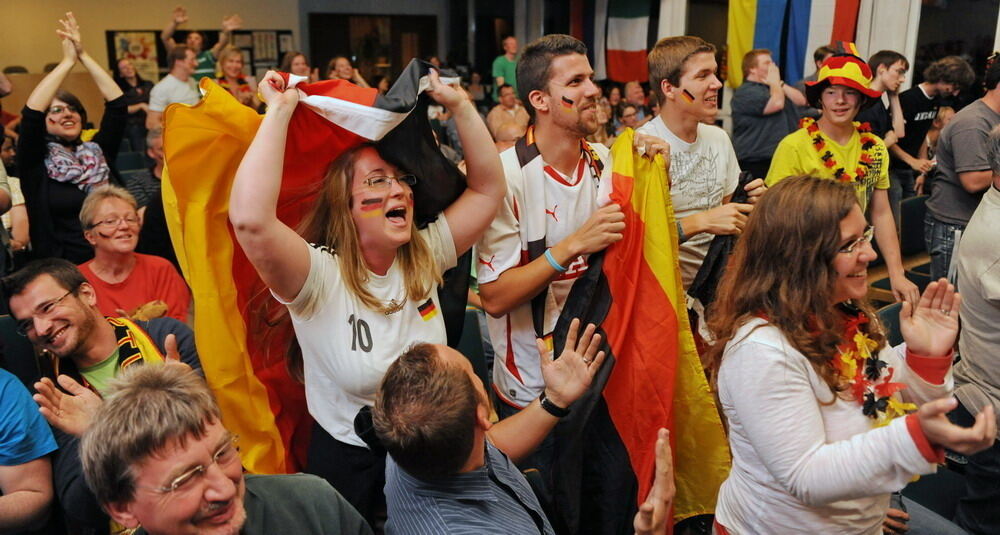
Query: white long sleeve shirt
[(805, 461)]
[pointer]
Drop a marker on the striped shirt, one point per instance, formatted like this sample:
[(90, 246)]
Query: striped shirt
[(494, 498)]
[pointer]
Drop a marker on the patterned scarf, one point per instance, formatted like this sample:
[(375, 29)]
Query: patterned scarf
[(134, 346), (83, 165)]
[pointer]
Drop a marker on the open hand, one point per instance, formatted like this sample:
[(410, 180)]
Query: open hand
[(70, 411), (569, 376), (930, 326), (655, 511), (70, 31), (180, 15), (232, 22)]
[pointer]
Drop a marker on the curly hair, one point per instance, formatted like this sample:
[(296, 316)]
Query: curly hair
[(782, 269)]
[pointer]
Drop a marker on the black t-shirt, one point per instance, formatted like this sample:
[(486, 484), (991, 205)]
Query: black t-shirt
[(878, 118), (919, 112)]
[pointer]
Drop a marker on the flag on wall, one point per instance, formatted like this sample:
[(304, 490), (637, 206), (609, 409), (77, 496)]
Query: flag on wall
[(652, 376), (809, 24), (627, 30), (242, 354)]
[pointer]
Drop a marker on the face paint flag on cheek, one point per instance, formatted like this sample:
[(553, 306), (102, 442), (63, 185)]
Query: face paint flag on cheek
[(687, 96), (567, 104), (371, 207)]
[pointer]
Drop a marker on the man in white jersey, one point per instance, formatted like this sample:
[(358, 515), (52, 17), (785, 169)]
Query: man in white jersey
[(703, 170), (549, 222)]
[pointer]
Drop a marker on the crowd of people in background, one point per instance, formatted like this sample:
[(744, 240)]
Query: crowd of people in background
[(826, 420)]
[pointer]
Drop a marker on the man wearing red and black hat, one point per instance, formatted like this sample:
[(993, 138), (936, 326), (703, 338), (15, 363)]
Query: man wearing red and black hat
[(836, 147)]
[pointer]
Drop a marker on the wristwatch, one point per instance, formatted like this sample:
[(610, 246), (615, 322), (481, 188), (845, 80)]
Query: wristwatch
[(552, 408)]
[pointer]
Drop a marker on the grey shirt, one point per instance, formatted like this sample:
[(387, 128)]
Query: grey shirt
[(977, 375), (755, 135), (961, 148)]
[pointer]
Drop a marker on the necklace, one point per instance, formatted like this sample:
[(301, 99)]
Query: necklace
[(868, 143), (393, 306), (868, 378)]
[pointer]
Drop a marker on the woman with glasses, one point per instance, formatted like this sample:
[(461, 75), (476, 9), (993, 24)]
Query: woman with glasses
[(825, 420), (57, 167), (127, 283), (359, 279)]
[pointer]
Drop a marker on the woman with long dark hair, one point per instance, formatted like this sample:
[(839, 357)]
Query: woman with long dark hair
[(826, 420), (136, 90), (57, 167)]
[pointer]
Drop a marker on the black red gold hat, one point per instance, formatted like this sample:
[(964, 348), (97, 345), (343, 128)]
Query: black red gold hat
[(843, 68)]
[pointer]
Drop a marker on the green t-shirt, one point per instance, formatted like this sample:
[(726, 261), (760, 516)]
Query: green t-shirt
[(206, 65), (506, 69), (100, 374)]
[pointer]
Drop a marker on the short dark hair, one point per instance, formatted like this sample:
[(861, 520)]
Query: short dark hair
[(425, 413), (63, 271), (72, 100), (536, 59), (178, 53), (992, 76), (887, 58), (504, 86), (823, 52), (950, 70)]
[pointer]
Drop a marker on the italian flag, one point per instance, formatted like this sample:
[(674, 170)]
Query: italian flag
[(628, 25)]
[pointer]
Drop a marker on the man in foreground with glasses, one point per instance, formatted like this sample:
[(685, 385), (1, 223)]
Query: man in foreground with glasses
[(56, 308), (159, 459)]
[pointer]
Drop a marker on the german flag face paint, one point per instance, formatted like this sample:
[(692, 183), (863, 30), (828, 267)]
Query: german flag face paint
[(687, 96), (372, 207), (567, 104), (427, 310)]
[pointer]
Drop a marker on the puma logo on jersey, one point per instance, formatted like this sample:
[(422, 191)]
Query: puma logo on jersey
[(488, 263), (552, 212)]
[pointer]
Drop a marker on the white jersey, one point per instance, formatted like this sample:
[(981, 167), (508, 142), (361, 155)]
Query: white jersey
[(541, 208), (346, 346), (701, 175)]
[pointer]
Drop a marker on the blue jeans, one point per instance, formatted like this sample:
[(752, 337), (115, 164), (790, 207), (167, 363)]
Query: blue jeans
[(940, 240), (923, 521), (900, 187)]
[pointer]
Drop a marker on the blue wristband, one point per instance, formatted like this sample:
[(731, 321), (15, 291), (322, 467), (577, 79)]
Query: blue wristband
[(552, 262)]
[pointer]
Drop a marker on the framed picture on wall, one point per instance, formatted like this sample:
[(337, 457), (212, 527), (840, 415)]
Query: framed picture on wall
[(140, 47)]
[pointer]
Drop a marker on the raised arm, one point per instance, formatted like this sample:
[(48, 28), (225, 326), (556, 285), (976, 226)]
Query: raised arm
[(42, 95), (167, 35), (566, 379), (229, 23), (471, 214), (277, 252), (107, 86)]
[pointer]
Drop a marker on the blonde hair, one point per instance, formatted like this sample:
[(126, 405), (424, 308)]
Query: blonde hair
[(224, 54), (330, 224), (99, 195)]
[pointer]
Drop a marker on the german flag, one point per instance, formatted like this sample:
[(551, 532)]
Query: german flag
[(652, 377), (243, 354), (427, 310)]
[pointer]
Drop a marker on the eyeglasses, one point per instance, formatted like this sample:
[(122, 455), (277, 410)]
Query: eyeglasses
[(59, 109), (43, 311), (225, 456), (865, 238), (385, 182), (113, 222)]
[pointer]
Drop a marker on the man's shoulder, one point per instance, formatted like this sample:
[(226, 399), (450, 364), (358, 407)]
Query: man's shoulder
[(713, 134), (748, 88), (164, 326), (288, 485)]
